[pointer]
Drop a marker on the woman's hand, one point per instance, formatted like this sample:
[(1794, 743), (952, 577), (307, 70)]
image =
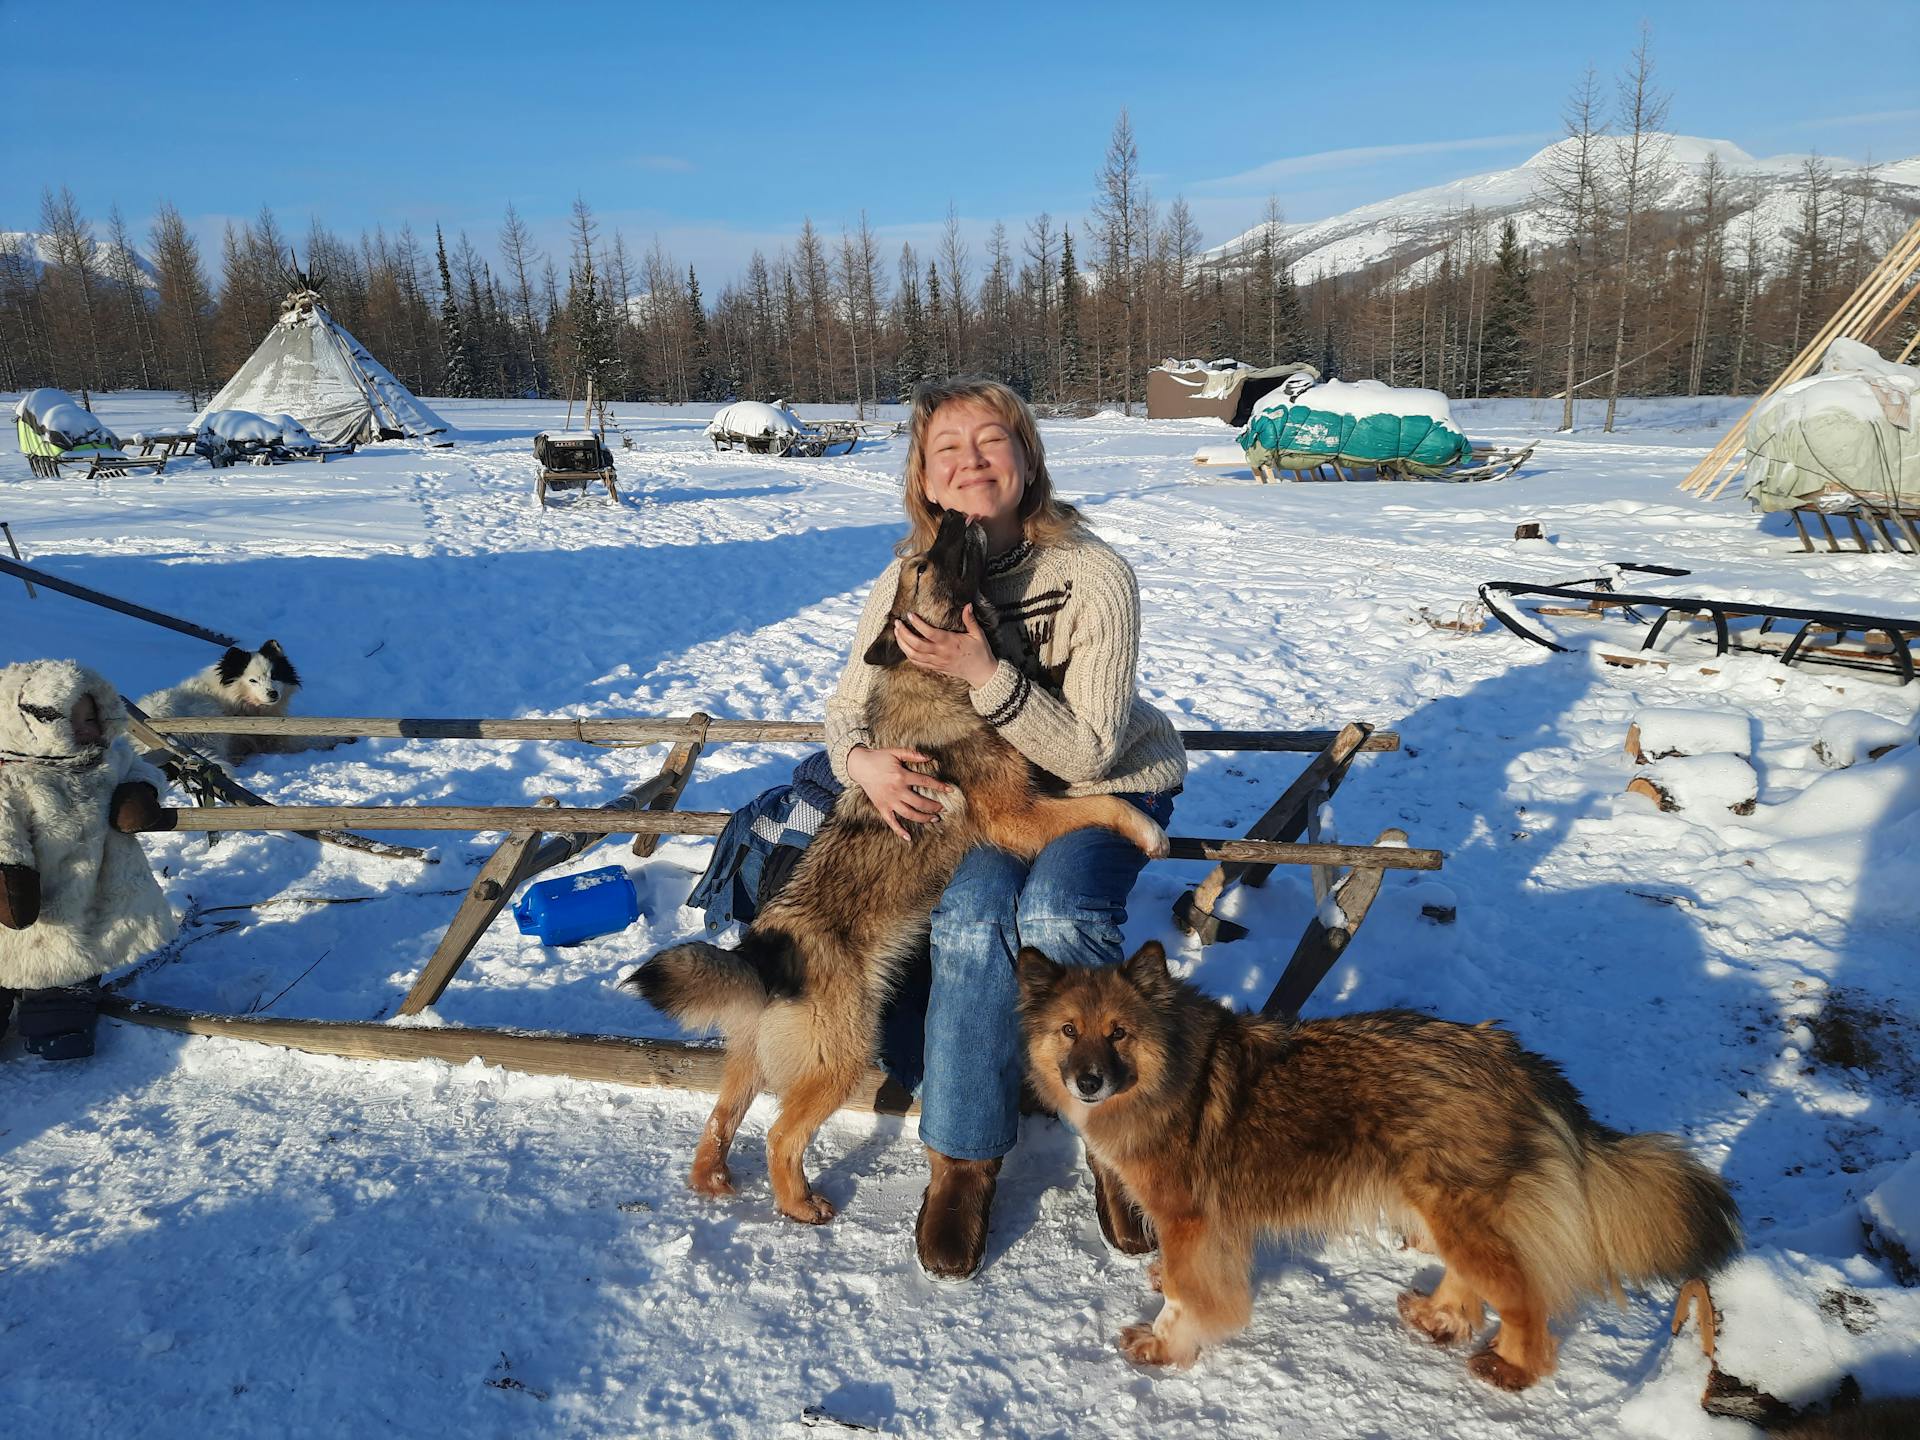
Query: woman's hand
[(964, 654), (890, 785)]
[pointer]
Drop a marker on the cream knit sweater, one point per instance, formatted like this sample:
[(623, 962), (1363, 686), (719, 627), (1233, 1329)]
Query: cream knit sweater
[(1063, 691)]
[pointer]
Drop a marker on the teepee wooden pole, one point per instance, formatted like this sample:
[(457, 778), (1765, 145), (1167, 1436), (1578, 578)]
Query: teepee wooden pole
[(1862, 310)]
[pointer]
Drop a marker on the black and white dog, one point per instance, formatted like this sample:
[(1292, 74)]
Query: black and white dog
[(240, 682)]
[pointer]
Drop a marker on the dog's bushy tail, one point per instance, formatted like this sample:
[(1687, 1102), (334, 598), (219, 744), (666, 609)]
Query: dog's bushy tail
[(1658, 1213), (703, 987)]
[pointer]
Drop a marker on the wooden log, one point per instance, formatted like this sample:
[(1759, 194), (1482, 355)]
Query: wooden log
[(486, 898), (1322, 944), (652, 730), (597, 821), (612, 1059)]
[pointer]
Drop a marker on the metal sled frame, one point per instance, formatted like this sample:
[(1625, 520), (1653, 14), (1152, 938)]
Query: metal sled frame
[(542, 836), (1899, 634)]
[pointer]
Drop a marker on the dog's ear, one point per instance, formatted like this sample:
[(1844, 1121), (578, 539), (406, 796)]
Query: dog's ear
[(1037, 973), (1148, 967), (885, 651), (233, 664), (278, 663)]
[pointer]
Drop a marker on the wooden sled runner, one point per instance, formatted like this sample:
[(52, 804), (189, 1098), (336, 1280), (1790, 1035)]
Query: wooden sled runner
[(1490, 462), (542, 836)]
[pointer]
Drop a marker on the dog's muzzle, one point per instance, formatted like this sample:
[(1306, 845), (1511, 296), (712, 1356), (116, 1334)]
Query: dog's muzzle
[(1089, 1086)]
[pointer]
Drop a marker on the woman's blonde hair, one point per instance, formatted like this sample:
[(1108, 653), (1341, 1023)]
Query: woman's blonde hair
[(1046, 519)]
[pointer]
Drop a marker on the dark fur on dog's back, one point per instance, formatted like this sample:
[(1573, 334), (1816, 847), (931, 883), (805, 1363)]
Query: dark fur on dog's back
[(1225, 1126), (799, 999)]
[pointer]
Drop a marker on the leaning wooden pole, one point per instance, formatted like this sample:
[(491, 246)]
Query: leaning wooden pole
[(1856, 315)]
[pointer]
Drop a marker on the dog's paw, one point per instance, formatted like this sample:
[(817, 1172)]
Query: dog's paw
[(1152, 840), (1144, 1346), (811, 1209), (1441, 1324), (1496, 1371), (714, 1180), (1154, 1277)]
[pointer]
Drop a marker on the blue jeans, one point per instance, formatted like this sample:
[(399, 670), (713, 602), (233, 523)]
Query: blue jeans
[(1070, 903)]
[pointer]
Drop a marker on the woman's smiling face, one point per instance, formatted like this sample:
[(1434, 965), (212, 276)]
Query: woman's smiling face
[(974, 464)]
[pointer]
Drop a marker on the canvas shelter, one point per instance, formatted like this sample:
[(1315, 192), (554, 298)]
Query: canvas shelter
[(1225, 390), (310, 368)]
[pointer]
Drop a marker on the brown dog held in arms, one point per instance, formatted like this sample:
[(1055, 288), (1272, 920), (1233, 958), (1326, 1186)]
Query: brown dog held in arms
[(1223, 1127), (799, 1000)]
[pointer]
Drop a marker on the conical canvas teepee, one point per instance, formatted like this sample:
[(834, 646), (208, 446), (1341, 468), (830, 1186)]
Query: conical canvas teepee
[(309, 367)]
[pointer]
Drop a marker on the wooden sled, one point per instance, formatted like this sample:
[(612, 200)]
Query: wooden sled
[(540, 837), (1490, 462), (1816, 637), (572, 461), (813, 439), (1876, 526)]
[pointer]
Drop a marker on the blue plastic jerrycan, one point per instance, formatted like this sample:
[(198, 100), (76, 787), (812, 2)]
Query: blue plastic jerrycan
[(578, 907)]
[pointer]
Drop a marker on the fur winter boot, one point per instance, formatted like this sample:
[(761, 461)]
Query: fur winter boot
[(58, 1024), (951, 1230)]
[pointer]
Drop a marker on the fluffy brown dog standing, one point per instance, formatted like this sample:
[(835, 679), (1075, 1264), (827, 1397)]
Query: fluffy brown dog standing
[(1223, 1127), (800, 999)]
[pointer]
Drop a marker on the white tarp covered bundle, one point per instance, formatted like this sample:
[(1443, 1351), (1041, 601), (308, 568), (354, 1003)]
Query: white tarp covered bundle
[(311, 369), (1851, 432), (756, 418)]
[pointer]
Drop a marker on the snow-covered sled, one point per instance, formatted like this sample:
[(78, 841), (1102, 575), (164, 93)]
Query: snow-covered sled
[(762, 429), (1340, 429), (1842, 444), (56, 432), (242, 437)]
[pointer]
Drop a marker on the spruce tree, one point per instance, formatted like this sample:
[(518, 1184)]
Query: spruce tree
[(936, 324), (1072, 371), (912, 364), (1506, 339), (457, 378), (700, 349)]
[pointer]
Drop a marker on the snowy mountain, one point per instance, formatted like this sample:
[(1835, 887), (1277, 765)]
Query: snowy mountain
[(1414, 224), (39, 252)]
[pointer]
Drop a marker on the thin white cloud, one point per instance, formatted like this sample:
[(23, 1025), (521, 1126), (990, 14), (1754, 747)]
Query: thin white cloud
[(1263, 176), (1876, 117)]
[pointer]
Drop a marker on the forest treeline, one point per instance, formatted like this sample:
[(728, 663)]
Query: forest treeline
[(1634, 291)]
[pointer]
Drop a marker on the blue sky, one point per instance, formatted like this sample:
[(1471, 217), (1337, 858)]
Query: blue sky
[(718, 127)]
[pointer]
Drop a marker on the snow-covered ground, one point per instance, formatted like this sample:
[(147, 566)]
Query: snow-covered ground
[(210, 1237)]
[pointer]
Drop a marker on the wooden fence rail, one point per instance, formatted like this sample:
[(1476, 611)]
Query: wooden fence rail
[(646, 731), (559, 820)]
